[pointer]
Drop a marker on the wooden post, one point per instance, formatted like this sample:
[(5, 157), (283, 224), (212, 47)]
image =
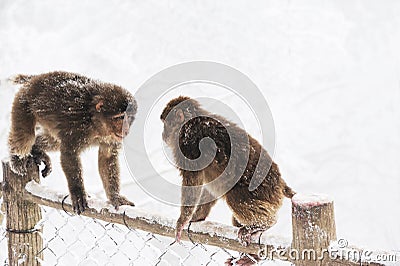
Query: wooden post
[(2, 207), (313, 224), (25, 242)]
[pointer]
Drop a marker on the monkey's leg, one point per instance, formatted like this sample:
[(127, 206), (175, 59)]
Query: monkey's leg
[(71, 165), (110, 175), (22, 135), (248, 231), (255, 215), (43, 143), (203, 210), (189, 198), (263, 218)]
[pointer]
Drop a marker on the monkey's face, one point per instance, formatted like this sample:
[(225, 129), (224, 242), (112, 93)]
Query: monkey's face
[(118, 126), (175, 114), (112, 122), (172, 124)]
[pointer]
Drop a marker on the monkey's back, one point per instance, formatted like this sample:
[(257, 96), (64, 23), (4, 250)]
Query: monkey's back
[(57, 95), (59, 101), (258, 206), (232, 146)]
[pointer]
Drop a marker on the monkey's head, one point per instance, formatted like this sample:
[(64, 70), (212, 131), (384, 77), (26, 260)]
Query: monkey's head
[(113, 112), (175, 114)]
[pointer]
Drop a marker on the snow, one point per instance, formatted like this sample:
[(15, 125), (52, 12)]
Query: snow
[(312, 199), (98, 204), (207, 227), (275, 240), (44, 191), (148, 216), (214, 229), (57, 196), (22, 260), (328, 69)]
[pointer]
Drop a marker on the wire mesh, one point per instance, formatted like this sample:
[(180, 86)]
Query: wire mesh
[(78, 240)]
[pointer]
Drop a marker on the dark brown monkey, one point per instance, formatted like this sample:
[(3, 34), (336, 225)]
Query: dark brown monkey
[(73, 112), (185, 124)]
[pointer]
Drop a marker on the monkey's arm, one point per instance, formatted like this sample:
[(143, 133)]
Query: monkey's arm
[(44, 142), (71, 165), (189, 199), (203, 210), (110, 174)]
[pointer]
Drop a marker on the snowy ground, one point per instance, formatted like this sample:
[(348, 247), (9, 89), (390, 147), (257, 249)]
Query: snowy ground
[(328, 69)]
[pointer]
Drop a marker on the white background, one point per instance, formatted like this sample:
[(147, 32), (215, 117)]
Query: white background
[(328, 69)]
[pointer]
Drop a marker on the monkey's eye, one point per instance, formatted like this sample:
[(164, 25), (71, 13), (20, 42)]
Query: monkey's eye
[(118, 117), (131, 118)]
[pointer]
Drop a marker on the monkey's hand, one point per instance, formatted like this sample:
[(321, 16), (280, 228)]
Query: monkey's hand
[(180, 224), (41, 156), (19, 164), (78, 198), (247, 232), (119, 200), (244, 260)]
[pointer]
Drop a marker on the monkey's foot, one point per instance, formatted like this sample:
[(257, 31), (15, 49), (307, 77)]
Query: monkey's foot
[(19, 164), (247, 232), (119, 200), (178, 234), (79, 202), (39, 157), (244, 260)]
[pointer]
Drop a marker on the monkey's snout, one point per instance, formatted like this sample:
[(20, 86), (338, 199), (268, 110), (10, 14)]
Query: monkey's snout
[(125, 130)]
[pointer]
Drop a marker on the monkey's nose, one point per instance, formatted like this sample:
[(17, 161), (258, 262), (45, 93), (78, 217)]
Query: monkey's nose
[(125, 130), (125, 133)]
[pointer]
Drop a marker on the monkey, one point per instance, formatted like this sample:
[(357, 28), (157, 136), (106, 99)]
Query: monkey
[(186, 123), (73, 112)]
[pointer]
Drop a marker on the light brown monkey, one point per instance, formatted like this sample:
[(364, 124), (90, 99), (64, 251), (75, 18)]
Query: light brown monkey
[(185, 125), (74, 112)]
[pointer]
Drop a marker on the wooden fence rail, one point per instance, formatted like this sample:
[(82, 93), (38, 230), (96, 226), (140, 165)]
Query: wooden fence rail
[(313, 225)]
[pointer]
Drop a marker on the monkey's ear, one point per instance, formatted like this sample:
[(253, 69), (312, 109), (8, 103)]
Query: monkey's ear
[(98, 102), (179, 115), (99, 105)]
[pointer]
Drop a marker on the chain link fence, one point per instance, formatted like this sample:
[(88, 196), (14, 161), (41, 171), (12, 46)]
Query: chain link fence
[(78, 240)]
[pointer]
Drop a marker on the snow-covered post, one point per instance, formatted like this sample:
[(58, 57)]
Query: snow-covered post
[(24, 238), (313, 224)]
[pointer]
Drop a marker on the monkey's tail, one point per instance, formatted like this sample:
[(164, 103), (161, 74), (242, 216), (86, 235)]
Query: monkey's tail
[(288, 192), (21, 79)]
